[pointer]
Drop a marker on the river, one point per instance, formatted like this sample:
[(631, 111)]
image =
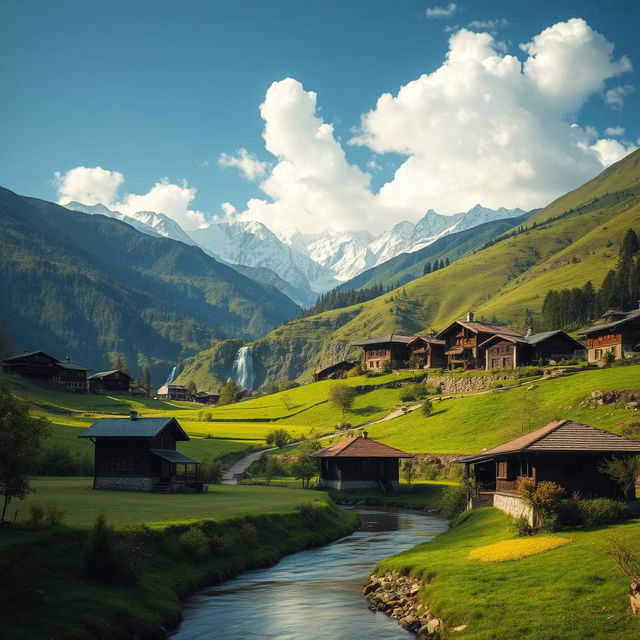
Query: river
[(313, 594)]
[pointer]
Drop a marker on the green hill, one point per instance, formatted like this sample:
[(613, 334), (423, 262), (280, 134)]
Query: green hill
[(90, 285), (569, 242), (409, 266)]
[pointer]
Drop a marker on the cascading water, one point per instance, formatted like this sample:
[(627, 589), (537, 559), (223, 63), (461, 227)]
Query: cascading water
[(242, 370), (172, 375)]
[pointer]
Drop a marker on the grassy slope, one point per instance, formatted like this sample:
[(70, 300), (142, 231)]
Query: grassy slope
[(502, 280), (570, 593), (469, 424)]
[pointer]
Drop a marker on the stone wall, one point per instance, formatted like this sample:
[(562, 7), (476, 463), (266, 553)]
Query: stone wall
[(125, 484), (452, 384), (513, 505)]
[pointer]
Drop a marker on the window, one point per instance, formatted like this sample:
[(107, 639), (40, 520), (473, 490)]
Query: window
[(598, 354), (122, 464), (501, 468)]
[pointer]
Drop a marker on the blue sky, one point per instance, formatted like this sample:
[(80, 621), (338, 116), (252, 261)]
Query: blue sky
[(156, 90)]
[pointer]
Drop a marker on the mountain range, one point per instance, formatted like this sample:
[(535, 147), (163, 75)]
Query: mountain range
[(305, 265)]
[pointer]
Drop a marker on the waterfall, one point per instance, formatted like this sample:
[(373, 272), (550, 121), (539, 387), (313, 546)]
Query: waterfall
[(242, 370), (172, 375)]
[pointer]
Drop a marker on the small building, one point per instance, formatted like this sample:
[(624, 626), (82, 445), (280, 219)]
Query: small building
[(360, 463), (565, 452), (173, 392), (206, 397), (429, 352), (43, 367), (139, 454), (617, 332), (509, 351), (334, 371), (464, 340), (114, 382), (390, 347)]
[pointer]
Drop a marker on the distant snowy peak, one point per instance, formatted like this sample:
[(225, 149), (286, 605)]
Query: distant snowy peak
[(100, 209)]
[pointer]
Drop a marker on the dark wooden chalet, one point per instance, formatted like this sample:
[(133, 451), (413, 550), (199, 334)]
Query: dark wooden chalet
[(112, 382), (393, 347), (565, 452), (617, 332), (41, 366), (206, 397), (139, 454), (333, 371), (509, 351), (360, 463), (464, 338), (173, 392), (429, 352)]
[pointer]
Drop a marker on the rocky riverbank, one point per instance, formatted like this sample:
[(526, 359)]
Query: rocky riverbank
[(398, 596)]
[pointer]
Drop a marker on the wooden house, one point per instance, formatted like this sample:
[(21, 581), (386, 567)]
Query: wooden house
[(429, 352), (206, 397), (360, 463), (509, 351), (565, 452), (173, 392), (139, 454), (114, 382), (617, 332), (464, 340), (41, 366), (390, 347), (333, 371)]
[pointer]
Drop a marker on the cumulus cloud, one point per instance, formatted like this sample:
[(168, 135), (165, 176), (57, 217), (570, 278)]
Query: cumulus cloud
[(615, 97), (490, 25), (610, 150), (228, 209), (442, 12), (614, 131), (94, 185), (87, 185), (245, 162), (486, 127)]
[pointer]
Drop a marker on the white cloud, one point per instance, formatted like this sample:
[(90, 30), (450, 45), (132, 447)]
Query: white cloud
[(245, 162), (614, 131), (486, 128), (615, 97), (228, 209), (489, 25), (610, 150), (87, 185), (93, 185), (373, 165), (442, 12)]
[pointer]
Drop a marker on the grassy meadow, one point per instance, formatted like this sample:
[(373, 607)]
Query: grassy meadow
[(567, 593)]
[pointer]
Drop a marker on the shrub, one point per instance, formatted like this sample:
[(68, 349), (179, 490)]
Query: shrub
[(412, 392), (608, 359), (278, 438), (59, 461), (521, 527), (599, 511), (211, 470), (194, 542), (387, 367), (221, 544), (249, 533), (309, 512), (427, 407), (55, 515), (36, 514), (623, 471), (543, 497), (454, 500)]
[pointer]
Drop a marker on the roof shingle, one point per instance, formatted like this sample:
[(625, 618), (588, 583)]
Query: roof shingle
[(360, 447)]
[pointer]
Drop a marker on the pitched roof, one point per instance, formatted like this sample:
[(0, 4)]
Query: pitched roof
[(28, 354), (360, 447), (104, 374), (430, 339), (394, 337), (73, 366), (562, 435), (334, 365), (629, 316), (128, 428), (500, 336), (482, 327), (173, 456), (534, 339)]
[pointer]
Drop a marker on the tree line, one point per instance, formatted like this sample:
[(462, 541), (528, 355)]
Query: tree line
[(335, 299), (620, 289), (437, 264)]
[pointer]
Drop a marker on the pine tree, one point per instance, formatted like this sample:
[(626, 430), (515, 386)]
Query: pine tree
[(146, 378)]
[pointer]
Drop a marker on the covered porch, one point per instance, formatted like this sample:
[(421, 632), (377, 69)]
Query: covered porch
[(177, 473)]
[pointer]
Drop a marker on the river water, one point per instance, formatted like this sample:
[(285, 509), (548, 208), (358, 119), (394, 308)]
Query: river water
[(313, 594)]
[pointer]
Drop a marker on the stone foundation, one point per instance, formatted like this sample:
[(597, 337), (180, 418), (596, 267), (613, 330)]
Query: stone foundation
[(513, 505), (125, 484)]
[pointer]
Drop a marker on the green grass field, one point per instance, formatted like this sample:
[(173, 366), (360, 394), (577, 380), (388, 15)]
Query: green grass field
[(469, 424), (569, 593), (82, 503)]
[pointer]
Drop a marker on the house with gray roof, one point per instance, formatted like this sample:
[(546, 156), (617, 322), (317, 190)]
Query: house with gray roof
[(617, 332), (139, 454)]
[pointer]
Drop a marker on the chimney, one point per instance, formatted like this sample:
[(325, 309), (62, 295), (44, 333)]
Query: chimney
[(68, 358), (470, 316), (364, 434), (133, 415), (529, 331)]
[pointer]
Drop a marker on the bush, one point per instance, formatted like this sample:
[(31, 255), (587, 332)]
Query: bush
[(212, 470), (454, 500), (36, 514), (343, 426), (195, 543), (521, 527), (599, 511), (387, 367), (278, 438), (59, 461), (544, 498), (608, 359), (249, 533), (221, 544), (309, 512), (412, 392), (55, 515), (427, 407)]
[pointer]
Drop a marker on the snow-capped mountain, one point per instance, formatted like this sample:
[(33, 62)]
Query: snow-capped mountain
[(310, 263)]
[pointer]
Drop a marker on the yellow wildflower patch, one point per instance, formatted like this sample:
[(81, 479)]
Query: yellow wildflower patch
[(517, 548)]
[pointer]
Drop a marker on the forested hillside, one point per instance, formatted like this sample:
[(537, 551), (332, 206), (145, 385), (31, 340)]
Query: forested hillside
[(91, 286), (574, 240)]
